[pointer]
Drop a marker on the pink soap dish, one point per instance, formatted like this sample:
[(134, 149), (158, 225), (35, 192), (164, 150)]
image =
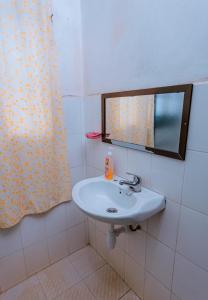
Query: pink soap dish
[(93, 135)]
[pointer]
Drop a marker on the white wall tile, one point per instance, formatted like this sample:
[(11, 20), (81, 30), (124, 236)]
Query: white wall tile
[(92, 233), (164, 226), (192, 239), (10, 240), (136, 246), (134, 275), (30, 288), (121, 239), (195, 181), (33, 229), (119, 160), (95, 153), (92, 172), (92, 113), (36, 257), (73, 117), (76, 150), (197, 138), (74, 214), (154, 289), (104, 227), (12, 270), (77, 174), (101, 244), (56, 219), (57, 246), (115, 258), (77, 237), (189, 281), (139, 163), (167, 177), (159, 261), (174, 297)]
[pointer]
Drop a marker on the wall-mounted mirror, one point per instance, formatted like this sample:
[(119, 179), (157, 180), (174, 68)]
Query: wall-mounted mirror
[(153, 120)]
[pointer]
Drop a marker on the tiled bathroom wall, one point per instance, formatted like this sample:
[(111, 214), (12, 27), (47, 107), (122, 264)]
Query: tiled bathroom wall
[(39, 241), (149, 44), (168, 258)]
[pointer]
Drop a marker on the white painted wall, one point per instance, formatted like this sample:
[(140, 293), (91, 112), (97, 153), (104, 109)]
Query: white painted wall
[(136, 44), (39, 241), (132, 44), (67, 30)]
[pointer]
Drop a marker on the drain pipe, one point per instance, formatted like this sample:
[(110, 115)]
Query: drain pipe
[(113, 233)]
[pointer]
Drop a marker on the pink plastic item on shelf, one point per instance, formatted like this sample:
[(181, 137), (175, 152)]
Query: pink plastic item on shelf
[(93, 135)]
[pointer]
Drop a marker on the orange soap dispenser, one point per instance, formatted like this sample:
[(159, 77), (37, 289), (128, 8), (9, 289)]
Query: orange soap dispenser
[(109, 165)]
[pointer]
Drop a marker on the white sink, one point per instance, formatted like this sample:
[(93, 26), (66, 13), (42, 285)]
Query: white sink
[(97, 196)]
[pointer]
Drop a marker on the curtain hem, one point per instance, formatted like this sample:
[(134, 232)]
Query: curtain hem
[(38, 212)]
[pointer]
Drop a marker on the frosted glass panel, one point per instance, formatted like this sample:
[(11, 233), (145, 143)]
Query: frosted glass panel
[(167, 121)]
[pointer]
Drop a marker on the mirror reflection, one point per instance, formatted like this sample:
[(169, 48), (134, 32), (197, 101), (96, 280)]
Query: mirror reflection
[(131, 119), (148, 120)]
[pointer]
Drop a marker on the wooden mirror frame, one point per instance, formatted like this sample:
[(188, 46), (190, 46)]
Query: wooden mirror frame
[(187, 89)]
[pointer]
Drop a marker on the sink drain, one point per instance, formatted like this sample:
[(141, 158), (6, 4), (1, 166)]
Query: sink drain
[(112, 210)]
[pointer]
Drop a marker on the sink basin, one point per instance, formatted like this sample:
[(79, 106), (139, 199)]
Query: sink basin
[(109, 202)]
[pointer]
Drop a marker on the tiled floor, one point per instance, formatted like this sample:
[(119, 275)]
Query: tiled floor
[(83, 275)]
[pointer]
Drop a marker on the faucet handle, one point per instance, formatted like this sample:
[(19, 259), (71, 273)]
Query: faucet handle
[(136, 177)]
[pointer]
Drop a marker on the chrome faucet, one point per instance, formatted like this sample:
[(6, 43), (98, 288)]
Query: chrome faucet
[(134, 185)]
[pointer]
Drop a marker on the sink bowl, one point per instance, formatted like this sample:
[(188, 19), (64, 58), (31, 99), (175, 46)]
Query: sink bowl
[(109, 202)]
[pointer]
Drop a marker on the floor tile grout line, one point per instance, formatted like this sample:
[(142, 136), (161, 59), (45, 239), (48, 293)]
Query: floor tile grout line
[(123, 279), (81, 280), (37, 272), (107, 264), (42, 289), (67, 289), (174, 250), (90, 274), (159, 281), (120, 298), (59, 294), (94, 296), (190, 261)]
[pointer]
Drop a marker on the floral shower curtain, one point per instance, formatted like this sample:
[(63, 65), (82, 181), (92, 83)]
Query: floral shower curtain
[(34, 174)]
